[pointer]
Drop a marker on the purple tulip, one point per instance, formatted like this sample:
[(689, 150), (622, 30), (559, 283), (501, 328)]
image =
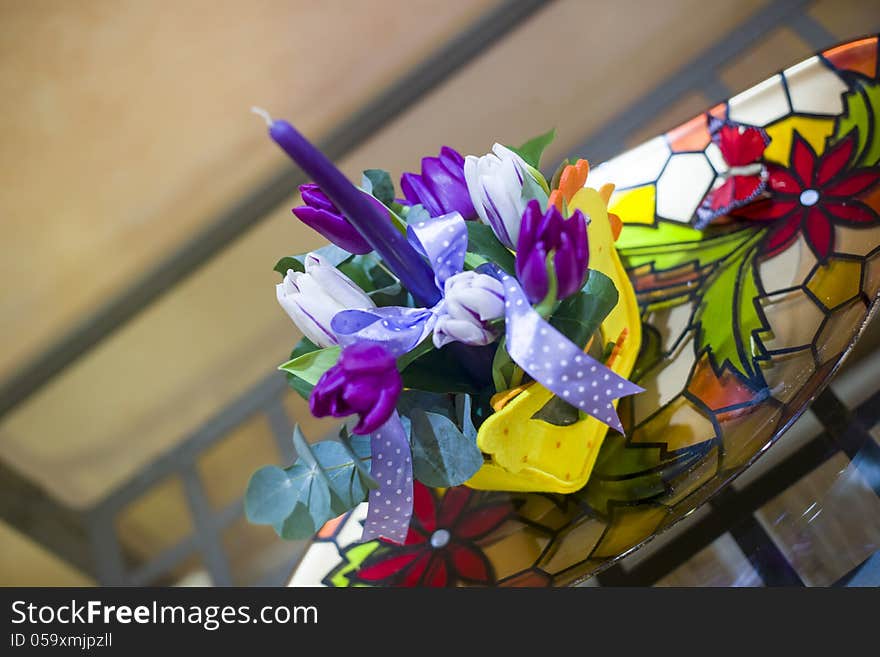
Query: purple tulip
[(550, 233), (365, 381), (322, 215), (441, 188)]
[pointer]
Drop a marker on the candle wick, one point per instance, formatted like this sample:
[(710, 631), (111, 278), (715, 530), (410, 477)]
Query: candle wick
[(259, 111)]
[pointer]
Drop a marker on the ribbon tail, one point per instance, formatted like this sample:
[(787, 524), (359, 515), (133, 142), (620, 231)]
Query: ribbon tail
[(557, 363), (391, 504)]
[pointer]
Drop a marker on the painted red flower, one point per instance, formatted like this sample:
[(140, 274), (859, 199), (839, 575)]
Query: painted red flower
[(440, 549), (812, 196)]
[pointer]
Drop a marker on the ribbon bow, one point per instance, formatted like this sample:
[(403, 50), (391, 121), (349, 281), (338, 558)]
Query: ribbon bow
[(540, 350)]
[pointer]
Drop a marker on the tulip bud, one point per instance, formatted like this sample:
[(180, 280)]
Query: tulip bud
[(495, 183), (441, 188), (471, 301), (365, 382), (314, 297), (322, 215), (565, 240)]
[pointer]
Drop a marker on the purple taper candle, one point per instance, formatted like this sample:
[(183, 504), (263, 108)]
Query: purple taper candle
[(369, 221)]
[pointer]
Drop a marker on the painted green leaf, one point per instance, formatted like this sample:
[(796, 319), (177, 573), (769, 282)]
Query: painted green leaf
[(727, 315), (663, 254), (442, 455), (483, 243), (580, 315), (378, 183), (270, 496), (352, 558), (311, 365), (861, 113), (533, 149)]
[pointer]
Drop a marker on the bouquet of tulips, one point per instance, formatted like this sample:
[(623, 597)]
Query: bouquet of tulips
[(477, 328)]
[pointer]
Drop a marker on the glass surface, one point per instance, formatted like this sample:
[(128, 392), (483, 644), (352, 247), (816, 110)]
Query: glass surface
[(743, 323)]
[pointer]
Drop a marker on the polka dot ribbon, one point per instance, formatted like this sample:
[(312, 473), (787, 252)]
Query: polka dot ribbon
[(556, 362), (443, 241), (390, 505)]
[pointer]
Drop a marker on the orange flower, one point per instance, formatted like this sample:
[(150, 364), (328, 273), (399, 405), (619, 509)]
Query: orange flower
[(574, 177)]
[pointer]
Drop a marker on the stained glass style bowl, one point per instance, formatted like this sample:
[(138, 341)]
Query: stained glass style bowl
[(744, 323)]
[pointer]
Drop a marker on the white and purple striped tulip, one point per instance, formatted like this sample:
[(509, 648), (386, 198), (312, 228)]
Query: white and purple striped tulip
[(495, 183), (312, 298), (471, 300)]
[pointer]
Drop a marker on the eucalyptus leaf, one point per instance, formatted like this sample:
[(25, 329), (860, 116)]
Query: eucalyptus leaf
[(346, 485), (298, 525), (579, 316), (380, 185), (313, 493), (483, 243), (416, 214), (442, 455), (270, 496), (463, 408), (533, 149), (310, 366)]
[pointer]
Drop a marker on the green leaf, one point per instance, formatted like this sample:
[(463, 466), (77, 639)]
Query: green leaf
[(557, 175), (310, 366), (483, 243), (378, 183), (557, 411), (420, 350), (438, 371), (327, 479), (861, 113), (463, 409), (579, 316), (417, 213), (332, 253), (503, 367), (270, 496), (302, 388), (288, 262), (727, 315), (347, 487), (297, 526), (442, 455), (533, 149), (532, 189), (434, 402), (313, 508)]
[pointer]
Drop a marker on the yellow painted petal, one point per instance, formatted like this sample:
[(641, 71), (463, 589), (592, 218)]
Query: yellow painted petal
[(815, 131), (635, 206)]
